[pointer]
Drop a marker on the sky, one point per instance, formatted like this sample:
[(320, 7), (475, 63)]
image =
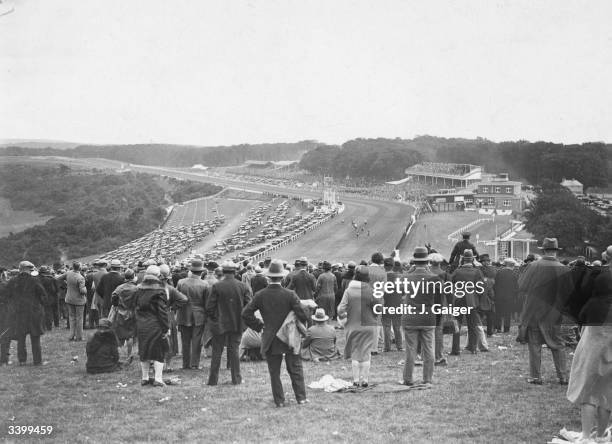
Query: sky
[(223, 72)]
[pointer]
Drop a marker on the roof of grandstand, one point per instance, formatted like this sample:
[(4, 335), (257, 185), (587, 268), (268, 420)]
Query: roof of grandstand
[(448, 170)]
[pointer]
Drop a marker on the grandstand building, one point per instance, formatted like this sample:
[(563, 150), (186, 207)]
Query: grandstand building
[(445, 175), (499, 193)]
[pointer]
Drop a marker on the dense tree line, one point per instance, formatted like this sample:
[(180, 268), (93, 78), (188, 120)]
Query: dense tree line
[(91, 212), (359, 160), (175, 155), (387, 159), (556, 212)]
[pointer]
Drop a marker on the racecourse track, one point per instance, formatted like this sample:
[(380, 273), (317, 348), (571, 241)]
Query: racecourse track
[(333, 240)]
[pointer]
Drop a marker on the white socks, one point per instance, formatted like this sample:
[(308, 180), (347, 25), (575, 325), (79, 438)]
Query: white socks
[(365, 371), (355, 366), (158, 367), (144, 368), (361, 371)]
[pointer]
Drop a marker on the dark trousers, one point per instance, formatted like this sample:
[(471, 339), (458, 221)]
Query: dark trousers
[(22, 353), (296, 373), (218, 343), (394, 322), (473, 323), (191, 344), (51, 316), (535, 340), (504, 317), (93, 318), (490, 315), (5, 345)]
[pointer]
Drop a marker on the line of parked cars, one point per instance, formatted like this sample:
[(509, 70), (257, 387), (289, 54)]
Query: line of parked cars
[(166, 242), (598, 204)]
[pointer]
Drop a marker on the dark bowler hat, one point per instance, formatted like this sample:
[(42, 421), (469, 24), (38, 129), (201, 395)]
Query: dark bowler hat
[(550, 243), (326, 265), (276, 269), (484, 257), (466, 234), (420, 255)]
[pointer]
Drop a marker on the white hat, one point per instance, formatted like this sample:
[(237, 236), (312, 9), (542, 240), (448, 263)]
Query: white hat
[(153, 270), (319, 315)]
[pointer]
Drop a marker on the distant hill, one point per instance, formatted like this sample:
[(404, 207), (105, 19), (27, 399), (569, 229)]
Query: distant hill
[(38, 143), (174, 155)]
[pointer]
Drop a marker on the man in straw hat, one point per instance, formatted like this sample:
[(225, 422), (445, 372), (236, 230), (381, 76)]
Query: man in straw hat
[(320, 341), (224, 311), (546, 284), (274, 303)]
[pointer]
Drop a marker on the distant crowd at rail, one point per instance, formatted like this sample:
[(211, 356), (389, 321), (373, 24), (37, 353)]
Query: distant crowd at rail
[(273, 310)]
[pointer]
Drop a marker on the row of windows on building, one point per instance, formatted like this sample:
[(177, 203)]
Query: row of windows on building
[(490, 201), (485, 189)]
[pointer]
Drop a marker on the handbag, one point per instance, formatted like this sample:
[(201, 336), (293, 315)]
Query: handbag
[(450, 326)]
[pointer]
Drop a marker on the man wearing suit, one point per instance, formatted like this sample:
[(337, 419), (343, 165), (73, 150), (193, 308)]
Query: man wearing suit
[(547, 284), (303, 283), (274, 304), (420, 326), (108, 283), (467, 272), (191, 317), (224, 308)]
